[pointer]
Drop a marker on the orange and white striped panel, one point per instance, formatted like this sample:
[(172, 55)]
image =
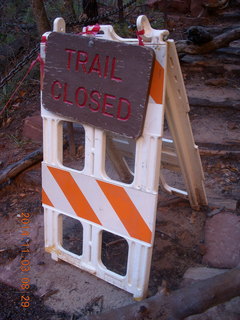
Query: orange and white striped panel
[(157, 82), (122, 210)]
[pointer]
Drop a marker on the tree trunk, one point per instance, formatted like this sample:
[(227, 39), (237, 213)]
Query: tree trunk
[(68, 10), (181, 303), (121, 13), (90, 8), (220, 41), (40, 15), (15, 168)]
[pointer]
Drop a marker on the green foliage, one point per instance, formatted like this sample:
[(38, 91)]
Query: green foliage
[(77, 7), (158, 23), (29, 83), (122, 29), (18, 141), (139, 2), (10, 10), (9, 38), (53, 8), (5, 93), (28, 16)]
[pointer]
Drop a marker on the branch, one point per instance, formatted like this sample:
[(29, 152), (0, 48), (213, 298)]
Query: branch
[(212, 153), (220, 41), (181, 303), (15, 168)]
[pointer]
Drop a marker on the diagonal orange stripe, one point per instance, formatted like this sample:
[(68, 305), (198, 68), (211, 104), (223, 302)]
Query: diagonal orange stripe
[(45, 199), (156, 88), (126, 211), (74, 195)]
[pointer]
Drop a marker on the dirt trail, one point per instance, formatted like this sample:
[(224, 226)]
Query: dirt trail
[(60, 290)]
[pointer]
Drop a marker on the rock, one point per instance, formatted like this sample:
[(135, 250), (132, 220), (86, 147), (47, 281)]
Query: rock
[(218, 313), (215, 3), (196, 8), (202, 273), (220, 82), (175, 5), (31, 177), (199, 273), (230, 16), (223, 103), (179, 5), (32, 128), (222, 238), (234, 306), (230, 51), (238, 206), (198, 35)]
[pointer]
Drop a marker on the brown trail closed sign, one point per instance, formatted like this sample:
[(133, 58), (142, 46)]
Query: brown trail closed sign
[(100, 82)]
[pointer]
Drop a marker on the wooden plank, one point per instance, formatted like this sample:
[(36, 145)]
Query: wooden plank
[(99, 82)]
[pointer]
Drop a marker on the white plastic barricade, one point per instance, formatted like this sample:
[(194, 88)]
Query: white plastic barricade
[(98, 202)]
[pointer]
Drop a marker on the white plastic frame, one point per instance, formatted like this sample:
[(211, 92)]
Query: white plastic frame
[(146, 172)]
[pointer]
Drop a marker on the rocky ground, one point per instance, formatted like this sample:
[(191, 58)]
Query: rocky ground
[(186, 242)]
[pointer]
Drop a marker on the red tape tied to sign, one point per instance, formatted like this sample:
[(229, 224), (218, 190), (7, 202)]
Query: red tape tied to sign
[(32, 65), (91, 30), (139, 34)]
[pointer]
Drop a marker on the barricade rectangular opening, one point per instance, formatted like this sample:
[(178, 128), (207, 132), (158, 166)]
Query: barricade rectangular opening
[(120, 157), (173, 179), (72, 235), (73, 145), (114, 253)]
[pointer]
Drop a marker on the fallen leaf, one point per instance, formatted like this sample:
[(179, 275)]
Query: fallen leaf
[(22, 93), (22, 195)]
